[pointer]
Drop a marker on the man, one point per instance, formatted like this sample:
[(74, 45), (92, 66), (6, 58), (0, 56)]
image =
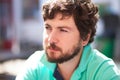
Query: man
[(67, 55)]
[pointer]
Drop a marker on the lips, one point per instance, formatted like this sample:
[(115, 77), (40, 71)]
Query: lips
[(53, 49)]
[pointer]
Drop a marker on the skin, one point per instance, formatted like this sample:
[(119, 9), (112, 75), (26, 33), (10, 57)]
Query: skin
[(64, 34)]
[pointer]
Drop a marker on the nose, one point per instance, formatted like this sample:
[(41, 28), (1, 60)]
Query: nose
[(53, 37)]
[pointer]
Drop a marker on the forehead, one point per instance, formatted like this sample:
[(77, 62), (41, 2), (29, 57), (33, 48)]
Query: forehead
[(60, 20)]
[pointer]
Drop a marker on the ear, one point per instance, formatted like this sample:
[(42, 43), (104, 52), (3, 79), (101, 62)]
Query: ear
[(85, 42)]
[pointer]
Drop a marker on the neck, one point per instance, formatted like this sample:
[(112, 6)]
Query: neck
[(67, 68)]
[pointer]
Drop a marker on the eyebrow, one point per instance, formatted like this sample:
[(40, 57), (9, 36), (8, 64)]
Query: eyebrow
[(59, 26), (47, 24), (64, 27)]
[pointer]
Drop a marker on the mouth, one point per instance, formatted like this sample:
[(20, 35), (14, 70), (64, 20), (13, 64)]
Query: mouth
[(52, 49)]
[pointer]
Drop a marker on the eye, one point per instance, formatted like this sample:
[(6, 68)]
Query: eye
[(63, 30), (48, 28)]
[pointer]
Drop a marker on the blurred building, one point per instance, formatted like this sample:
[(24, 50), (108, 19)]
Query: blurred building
[(20, 24), (107, 41), (6, 19)]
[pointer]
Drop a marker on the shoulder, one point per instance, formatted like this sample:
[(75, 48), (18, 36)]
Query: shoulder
[(34, 61), (33, 69), (36, 56), (99, 60), (99, 57), (100, 65)]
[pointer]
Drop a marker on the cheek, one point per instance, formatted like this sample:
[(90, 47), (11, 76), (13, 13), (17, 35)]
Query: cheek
[(67, 43), (70, 42), (45, 40)]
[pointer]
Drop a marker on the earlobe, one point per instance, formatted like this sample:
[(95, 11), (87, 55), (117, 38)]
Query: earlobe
[(85, 42)]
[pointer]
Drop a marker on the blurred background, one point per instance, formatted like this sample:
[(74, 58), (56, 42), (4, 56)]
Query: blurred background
[(21, 28)]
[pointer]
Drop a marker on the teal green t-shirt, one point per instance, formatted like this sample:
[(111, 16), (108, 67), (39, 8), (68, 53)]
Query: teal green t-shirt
[(93, 66)]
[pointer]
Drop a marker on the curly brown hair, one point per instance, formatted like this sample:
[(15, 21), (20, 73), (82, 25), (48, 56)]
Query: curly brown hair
[(84, 12)]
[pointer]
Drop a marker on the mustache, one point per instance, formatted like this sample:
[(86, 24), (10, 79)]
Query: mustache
[(53, 46)]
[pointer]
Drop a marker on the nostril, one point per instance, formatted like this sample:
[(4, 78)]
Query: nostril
[(52, 45)]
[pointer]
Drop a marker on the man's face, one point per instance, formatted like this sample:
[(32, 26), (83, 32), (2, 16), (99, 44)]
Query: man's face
[(61, 39)]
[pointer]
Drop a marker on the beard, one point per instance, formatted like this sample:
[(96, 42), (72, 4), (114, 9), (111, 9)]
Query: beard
[(70, 54)]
